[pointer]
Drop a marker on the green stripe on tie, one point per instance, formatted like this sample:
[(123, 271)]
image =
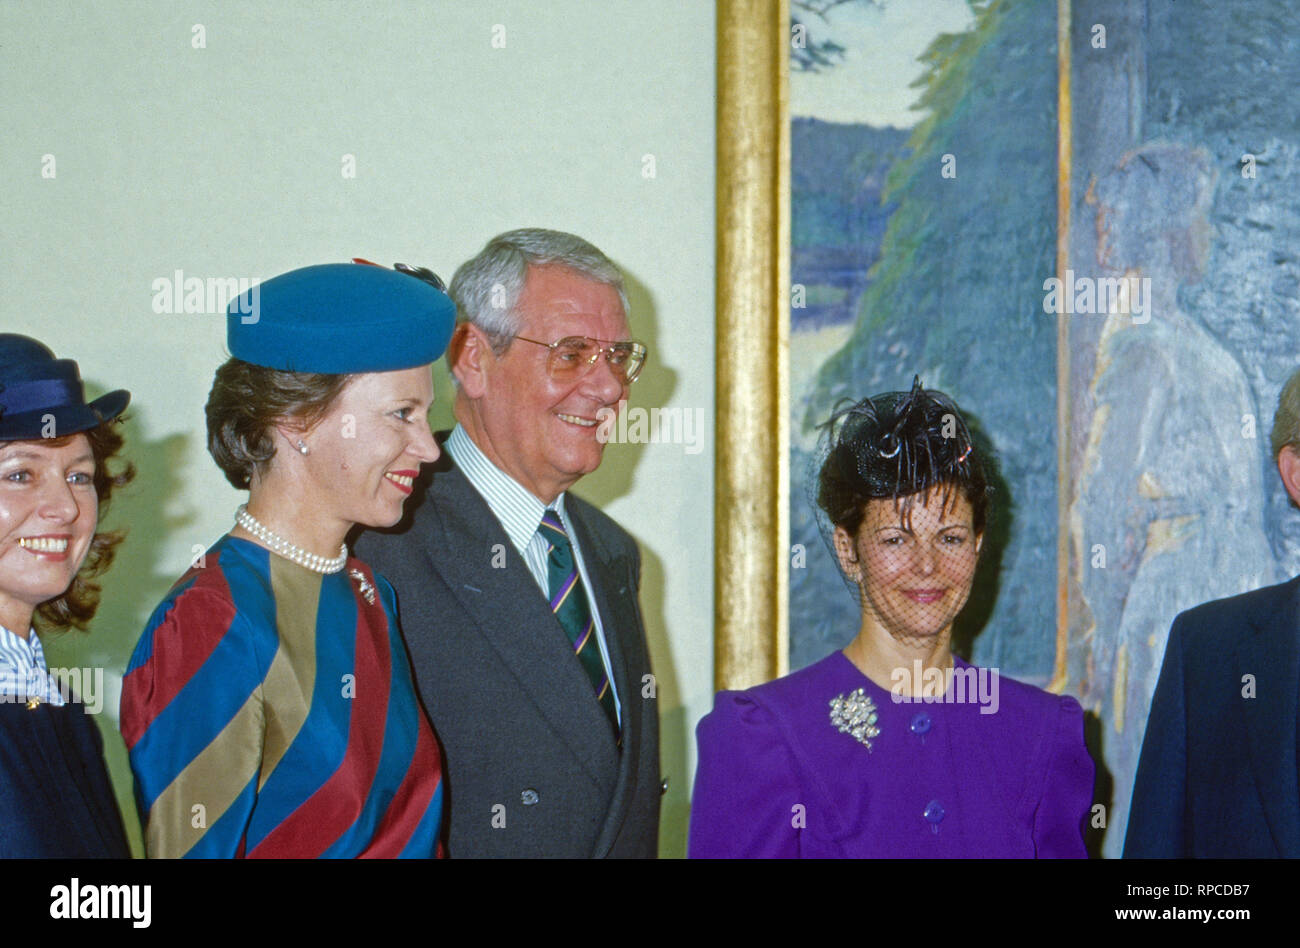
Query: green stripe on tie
[(568, 599)]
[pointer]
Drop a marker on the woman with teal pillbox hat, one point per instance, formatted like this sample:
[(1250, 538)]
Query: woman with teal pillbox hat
[(269, 709), (55, 480)]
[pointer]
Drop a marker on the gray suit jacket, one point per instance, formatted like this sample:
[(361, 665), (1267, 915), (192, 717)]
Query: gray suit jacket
[(530, 765)]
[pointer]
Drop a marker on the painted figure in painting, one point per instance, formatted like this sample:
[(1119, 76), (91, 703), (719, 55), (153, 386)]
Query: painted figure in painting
[(1170, 507)]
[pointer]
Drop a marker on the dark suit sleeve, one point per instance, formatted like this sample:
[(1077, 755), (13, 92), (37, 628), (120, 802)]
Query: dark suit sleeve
[(1157, 814)]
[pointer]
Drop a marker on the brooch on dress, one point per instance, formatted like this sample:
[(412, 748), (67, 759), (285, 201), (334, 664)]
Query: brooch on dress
[(855, 714), (367, 589)]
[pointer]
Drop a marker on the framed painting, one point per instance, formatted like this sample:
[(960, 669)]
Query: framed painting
[(1053, 211)]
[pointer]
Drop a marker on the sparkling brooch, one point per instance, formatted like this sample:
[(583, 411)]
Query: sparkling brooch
[(367, 589), (855, 714)]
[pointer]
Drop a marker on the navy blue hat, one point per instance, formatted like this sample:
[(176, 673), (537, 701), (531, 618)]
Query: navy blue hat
[(340, 318), (34, 386)]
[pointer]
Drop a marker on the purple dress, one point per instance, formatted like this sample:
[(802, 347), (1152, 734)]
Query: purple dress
[(777, 779)]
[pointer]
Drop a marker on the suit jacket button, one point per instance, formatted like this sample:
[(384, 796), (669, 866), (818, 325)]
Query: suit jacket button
[(663, 787), (529, 797)]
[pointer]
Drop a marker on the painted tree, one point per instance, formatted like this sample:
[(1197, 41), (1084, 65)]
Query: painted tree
[(957, 298)]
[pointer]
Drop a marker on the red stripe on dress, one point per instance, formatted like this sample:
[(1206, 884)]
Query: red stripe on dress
[(411, 803), (331, 811), (185, 646)]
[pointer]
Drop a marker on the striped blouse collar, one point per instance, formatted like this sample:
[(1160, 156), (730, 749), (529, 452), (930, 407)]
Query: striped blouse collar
[(23, 672)]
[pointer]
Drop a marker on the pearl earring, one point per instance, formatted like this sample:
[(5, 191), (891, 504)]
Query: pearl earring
[(302, 448)]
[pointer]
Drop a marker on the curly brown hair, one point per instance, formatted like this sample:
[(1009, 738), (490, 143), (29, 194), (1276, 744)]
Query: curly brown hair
[(247, 401), (76, 607)]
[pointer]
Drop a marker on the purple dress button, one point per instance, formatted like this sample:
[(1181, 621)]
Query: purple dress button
[(934, 814), (920, 723)]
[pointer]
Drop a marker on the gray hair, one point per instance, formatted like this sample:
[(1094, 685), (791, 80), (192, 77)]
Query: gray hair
[(486, 287), (1286, 423)]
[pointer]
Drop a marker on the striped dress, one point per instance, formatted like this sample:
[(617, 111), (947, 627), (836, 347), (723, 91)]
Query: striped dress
[(269, 711)]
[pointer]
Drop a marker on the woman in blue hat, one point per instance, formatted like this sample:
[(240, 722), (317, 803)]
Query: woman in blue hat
[(55, 449), (269, 708)]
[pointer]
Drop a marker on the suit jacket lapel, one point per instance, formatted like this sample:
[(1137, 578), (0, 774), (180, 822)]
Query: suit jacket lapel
[(514, 617), (1270, 652), (612, 591)]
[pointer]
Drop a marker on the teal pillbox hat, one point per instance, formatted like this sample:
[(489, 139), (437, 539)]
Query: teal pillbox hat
[(340, 318)]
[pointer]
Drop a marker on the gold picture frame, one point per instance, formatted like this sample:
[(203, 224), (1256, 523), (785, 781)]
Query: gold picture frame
[(751, 478)]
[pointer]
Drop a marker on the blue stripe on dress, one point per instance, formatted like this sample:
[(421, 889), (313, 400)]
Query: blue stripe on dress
[(222, 837), (400, 735), (200, 711)]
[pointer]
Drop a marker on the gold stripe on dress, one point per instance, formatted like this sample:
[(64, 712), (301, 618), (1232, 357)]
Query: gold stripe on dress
[(291, 679), (203, 792)]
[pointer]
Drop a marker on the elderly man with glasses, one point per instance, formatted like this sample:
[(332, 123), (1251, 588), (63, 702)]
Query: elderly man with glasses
[(519, 600)]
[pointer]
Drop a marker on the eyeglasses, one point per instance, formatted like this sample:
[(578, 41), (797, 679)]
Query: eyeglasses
[(572, 357)]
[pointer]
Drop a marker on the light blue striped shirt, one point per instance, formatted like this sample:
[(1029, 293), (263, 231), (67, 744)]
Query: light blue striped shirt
[(23, 674), (520, 514)]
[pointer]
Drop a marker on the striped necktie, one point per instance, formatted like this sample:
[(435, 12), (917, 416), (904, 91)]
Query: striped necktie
[(569, 603)]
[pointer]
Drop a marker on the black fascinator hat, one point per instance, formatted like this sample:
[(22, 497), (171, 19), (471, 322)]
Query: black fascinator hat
[(893, 446)]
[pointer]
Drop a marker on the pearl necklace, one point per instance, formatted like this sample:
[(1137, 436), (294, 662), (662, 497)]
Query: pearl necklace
[(282, 547)]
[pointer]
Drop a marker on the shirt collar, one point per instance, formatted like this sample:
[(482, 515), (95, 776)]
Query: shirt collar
[(23, 672), (518, 510), (29, 647)]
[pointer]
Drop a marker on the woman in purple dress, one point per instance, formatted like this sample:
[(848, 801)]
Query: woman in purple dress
[(895, 747)]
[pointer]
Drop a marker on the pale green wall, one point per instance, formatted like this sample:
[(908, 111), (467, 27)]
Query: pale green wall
[(227, 161)]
